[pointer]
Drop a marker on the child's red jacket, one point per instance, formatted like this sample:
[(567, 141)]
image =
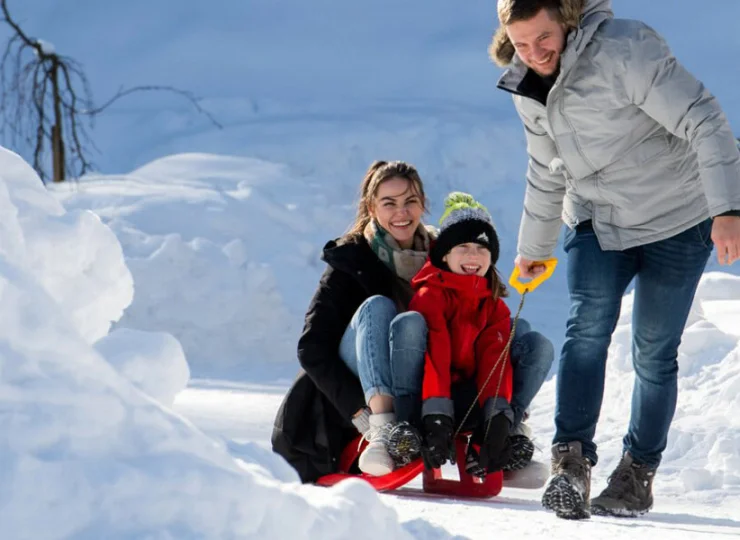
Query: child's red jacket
[(468, 330)]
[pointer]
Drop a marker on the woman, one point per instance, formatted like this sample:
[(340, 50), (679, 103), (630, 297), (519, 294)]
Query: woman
[(361, 352), (362, 360)]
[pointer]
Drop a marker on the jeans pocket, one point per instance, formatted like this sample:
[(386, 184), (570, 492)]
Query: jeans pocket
[(582, 229), (703, 232)]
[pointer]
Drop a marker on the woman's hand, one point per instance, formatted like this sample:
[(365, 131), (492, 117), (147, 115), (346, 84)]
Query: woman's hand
[(528, 268)]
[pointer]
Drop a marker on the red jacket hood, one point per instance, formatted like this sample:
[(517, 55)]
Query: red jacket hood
[(431, 276)]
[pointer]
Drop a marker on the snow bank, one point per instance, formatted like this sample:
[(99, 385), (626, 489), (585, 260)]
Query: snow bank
[(84, 453), (218, 248), (72, 254), (153, 361)]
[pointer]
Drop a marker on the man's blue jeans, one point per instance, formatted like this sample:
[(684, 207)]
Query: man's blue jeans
[(666, 275)]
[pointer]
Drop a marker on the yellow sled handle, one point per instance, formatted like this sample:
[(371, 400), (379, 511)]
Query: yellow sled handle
[(531, 285)]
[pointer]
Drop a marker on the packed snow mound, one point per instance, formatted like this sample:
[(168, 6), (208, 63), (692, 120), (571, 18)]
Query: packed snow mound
[(85, 454), (153, 361), (76, 258), (215, 244)]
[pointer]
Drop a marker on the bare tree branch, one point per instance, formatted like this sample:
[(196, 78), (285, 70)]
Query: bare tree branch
[(45, 96), (8, 19), (148, 88)]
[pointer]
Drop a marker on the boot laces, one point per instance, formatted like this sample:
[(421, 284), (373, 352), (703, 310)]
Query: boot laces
[(623, 480), (377, 434)]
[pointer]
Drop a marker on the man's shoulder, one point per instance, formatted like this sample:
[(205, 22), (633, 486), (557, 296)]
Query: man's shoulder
[(624, 33), (619, 42)]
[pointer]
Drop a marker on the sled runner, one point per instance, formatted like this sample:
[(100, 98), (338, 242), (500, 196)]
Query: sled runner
[(433, 481)]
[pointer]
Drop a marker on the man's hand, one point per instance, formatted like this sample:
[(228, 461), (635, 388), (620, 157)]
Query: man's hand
[(726, 238), (529, 269)]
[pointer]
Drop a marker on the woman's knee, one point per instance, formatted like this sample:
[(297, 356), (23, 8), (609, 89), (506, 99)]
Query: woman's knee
[(378, 308), (409, 330)]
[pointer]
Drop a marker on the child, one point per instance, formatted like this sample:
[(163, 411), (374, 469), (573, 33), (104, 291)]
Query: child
[(458, 291)]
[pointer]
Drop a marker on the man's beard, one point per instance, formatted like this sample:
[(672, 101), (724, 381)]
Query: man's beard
[(553, 75)]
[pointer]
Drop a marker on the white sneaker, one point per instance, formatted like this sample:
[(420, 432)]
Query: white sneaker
[(375, 459)]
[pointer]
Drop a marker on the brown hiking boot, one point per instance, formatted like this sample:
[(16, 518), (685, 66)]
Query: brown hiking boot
[(569, 486), (629, 492)]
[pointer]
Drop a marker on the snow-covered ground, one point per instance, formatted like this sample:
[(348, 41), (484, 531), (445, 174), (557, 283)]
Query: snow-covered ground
[(201, 253)]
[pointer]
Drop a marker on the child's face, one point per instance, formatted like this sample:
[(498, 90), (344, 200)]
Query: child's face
[(470, 259)]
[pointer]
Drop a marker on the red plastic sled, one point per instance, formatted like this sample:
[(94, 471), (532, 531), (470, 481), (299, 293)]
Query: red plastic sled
[(433, 482)]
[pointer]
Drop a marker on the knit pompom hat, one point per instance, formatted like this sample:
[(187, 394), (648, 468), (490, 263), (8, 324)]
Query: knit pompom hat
[(464, 220)]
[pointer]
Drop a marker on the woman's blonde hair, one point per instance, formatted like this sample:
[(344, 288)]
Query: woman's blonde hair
[(379, 172)]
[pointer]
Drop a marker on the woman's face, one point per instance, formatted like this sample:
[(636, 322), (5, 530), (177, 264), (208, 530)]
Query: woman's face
[(398, 209)]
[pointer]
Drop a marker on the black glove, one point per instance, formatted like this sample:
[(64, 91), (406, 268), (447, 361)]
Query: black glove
[(438, 444), (495, 450)]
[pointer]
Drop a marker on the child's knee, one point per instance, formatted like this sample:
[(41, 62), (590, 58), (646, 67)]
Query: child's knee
[(539, 350), (522, 327)]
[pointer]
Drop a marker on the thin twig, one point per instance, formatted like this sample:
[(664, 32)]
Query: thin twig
[(147, 88)]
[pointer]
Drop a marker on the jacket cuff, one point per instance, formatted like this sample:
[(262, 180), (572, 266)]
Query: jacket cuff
[(498, 405), (538, 239), (438, 406)]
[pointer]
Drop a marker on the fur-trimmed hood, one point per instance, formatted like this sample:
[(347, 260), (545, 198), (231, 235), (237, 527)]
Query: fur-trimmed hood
[(575, 13)]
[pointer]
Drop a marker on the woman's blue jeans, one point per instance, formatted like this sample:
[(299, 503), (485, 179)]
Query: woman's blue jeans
[(386, 352)]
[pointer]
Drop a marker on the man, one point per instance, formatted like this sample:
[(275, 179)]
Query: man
[(637, 158)]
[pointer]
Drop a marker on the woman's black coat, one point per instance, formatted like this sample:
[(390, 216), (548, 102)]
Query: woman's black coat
[(313, 424)]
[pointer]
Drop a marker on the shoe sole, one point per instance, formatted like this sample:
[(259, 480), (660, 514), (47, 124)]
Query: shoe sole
[(598, 510), (374, 469), (562, 498), (522, 450)]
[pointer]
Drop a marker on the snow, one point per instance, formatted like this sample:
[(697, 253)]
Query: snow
[(39, 236), (86, 453), (150, 311), (154, 362), (46, 47), (191, 227)]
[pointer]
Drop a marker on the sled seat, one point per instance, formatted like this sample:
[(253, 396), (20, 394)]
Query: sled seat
[(433, 481)]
